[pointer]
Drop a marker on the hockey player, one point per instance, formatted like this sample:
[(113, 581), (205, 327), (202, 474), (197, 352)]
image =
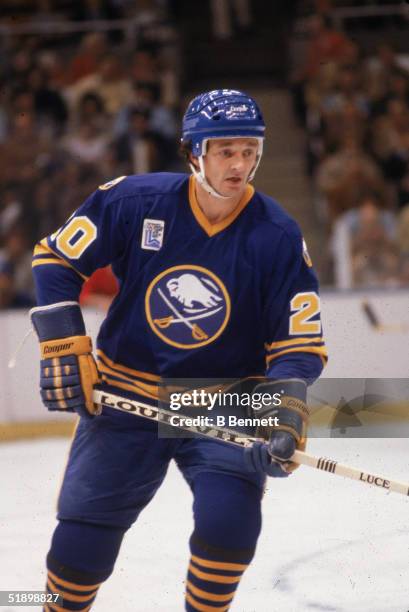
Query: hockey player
[(215, 281)]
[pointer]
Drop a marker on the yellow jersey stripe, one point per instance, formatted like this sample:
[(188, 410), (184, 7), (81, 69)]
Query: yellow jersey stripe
[(47, 262), (47, 249), (134, 388), (276, 345), (213, 577), (127, 370), (317, 350), (153, 389), (73, 585), (235, 567), (41, 249), (203, 607), (53, 588), (207, 595)]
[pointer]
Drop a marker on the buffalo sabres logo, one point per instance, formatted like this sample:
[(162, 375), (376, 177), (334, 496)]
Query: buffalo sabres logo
[(187, 306)]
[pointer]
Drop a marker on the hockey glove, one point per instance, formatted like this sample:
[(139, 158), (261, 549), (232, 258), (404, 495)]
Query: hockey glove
[(273, 458), (68, 369)]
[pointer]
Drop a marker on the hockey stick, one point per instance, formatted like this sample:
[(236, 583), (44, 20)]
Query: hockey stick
[(230, 436), (375, 322)]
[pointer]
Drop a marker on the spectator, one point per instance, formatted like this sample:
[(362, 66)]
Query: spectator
[(403, 231), (398, 90), (43, 209), (91, 109), (325, 46), (56, 118), (162, 119), (110, 83), (144, 67), (347, 230), (375, 257), (344, 175), (16, 280), (86, 143), (25, 151), (10, 208), (86, 61), (140, 148), (378, 70), (348, 92), (391, 145), (49, 105)]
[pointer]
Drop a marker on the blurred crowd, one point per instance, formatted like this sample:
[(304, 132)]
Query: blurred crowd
[(79, 107), (355, 110), (77, 111)]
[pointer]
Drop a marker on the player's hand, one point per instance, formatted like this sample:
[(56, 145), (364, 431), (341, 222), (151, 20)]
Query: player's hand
[(274, 457), (257, 458), (68, 369)]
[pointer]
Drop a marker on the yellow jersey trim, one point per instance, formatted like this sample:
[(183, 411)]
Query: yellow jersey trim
[(214, 228), (151, 389), (49, 262), (42, 248), (316, 350), (126, 369), (134, 388)]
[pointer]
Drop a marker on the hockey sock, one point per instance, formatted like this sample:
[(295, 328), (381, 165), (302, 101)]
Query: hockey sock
[(77, 589), (227, 525), (81, 558), (213, 576)]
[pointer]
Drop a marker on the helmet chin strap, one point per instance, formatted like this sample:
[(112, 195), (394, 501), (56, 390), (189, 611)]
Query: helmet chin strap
[(200, 175)]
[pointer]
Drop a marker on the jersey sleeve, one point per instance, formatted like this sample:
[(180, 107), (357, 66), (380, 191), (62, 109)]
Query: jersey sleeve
[(94, 236), (294, 345)]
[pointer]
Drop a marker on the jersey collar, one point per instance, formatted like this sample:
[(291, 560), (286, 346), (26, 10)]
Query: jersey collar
[(214, 228)]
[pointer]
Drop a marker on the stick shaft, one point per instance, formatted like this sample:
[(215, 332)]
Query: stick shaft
[(339, 469), (229, 436)]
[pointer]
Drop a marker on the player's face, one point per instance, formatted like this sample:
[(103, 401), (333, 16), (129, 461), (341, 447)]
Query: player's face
[(228, 164)]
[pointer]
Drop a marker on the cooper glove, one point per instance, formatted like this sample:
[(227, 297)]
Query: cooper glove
[(68, 369), (273, 457)]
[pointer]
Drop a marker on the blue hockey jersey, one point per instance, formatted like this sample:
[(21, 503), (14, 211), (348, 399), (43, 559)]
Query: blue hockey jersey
[(232, 299)]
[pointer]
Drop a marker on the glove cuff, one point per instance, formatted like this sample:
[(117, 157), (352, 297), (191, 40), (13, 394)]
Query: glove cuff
[(75, 345), (61, 320), (292, 412)]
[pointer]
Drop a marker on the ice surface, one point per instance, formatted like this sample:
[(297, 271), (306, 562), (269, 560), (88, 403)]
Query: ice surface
[(327, 545)]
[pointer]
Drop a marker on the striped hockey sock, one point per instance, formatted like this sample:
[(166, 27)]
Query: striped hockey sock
[(213, 577), (77, 589)]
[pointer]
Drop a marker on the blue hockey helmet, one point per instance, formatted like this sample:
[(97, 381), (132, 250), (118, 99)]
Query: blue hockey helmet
[(221, 113)]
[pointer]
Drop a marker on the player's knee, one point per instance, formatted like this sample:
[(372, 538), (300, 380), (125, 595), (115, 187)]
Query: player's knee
[(227, 511), (81, 558)]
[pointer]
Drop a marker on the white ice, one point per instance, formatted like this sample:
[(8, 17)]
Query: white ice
[(328, 544)]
